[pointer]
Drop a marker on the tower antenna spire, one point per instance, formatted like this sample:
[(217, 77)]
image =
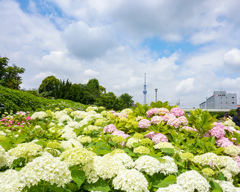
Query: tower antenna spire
[(145, 90)]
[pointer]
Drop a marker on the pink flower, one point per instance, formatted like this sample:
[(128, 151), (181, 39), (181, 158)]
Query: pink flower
[(144, 123), (168, 116), (183, 120), (189, 128), (159, 137), (120, 133), (109, 128), (217, 131), (156, 119), (21, 113), (150, 135), (10, 122), (177, 112), (174, 122), (153, 111), (28, 118), (224, 142)]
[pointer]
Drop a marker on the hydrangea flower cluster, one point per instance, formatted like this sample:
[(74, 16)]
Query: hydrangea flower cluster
[(144, 123), (156, 119), (171, 188), (177, 112), (192, 180), (120, 133), (141, 150), (168, 166), (39, 115), (25, 150), (159, 137), (130, 181), (224, 142), (45, 168), (189, 128), (161, 145), (232, 150), (109, 128)]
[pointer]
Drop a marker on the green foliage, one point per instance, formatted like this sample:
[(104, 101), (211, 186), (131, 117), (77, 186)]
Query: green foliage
[(201, 120), (126, 99), (48, 86), (9, 75), (140, 110), (100, 185), (15, 100)]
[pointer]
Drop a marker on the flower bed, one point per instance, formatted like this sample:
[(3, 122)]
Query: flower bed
[(157, 148)]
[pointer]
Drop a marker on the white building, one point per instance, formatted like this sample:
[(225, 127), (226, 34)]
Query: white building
[(220, 100)]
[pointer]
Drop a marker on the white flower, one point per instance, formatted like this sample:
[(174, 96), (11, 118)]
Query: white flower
[(131, 141), (130, 181), (148, 164), (2, 133), (232, 150), (65, 118), (68, 133), (227, 186), (192, 180), (168, 166), (161, 145), (25, 150), (47, 168), (171, 188), (40, 115), (227, 174), (9, 181), (71, 143)]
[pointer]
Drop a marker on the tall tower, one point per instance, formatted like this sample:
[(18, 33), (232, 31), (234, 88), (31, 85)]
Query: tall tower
[(145, 89)]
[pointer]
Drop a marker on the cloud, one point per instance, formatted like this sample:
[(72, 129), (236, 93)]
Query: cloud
[(91, 73), (88, 42), (232, 59), (186, 85)]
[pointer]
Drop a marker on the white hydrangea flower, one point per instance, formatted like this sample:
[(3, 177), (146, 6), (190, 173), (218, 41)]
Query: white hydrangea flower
[(229, 164), (148, 164), (192, 180), (169, 166), (227, 186), (90, 108), (25, 150), (71, 143), (120, 158), (171, 188), (227, 174), (73, 124), (2, 133), (3, 159), (131, 141), (58, 114), (91, 128), (75, 156), (232, 150), (47, 168), (205, 159), (161, 145), (9, 181), (84, 139), (130, 181), (40, 115), (65, 118), (68, 133)]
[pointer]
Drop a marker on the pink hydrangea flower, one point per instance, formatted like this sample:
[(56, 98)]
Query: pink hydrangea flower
[(217, 132), (156, 119), (224, 142), (168, 116), (144, 123), (21, 113), (177, 112), (109, 128), (152, 111), (159, 137), (120, 133), (189, 128), (174, 122), (183, 120), (163, 111), (150, 135)]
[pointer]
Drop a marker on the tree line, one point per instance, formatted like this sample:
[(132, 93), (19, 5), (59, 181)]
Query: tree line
[(90, 94)]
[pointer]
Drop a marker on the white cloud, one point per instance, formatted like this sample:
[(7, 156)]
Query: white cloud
[(91, 73), (186, 85), (232, 58)]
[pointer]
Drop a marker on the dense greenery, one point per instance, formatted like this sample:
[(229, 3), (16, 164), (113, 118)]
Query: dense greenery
[(9, 75), (15, 100), (90, 93)]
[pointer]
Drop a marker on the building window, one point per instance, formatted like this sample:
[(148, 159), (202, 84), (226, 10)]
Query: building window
[(232, 97), (226, 102), (232, 102)]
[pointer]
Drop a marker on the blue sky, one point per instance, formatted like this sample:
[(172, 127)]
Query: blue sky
[(188, 49)]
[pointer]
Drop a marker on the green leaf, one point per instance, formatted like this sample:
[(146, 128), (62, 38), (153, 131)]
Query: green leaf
[(171, 179), (100, 185), (215, 186), (102, 152), (221, 176), (19, 162), (156, 178), (78, 176), (55, 188), (168, 150), (5, 144)]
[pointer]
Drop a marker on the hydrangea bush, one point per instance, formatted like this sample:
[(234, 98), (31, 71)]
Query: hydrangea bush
[(147, 148)]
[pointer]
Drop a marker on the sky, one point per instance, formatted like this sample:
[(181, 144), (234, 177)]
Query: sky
[(187, 48)]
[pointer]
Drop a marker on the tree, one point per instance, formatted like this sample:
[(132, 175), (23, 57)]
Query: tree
[(126, 99), (9, 75), (75, 93), (108, 100), (48, 86)]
